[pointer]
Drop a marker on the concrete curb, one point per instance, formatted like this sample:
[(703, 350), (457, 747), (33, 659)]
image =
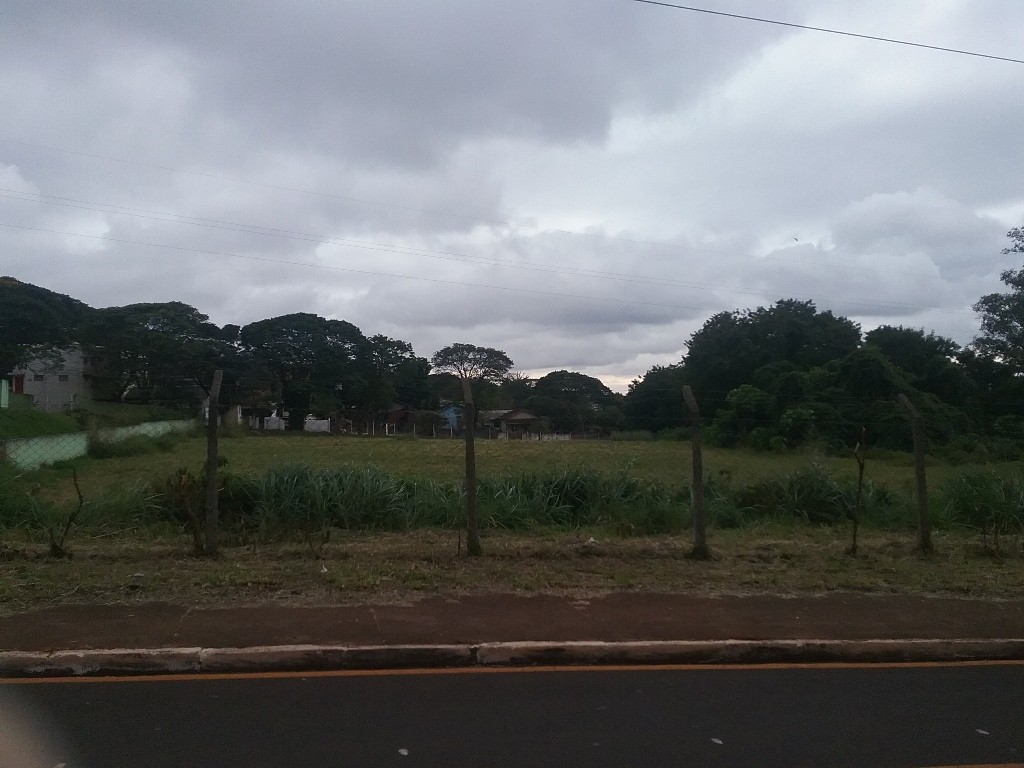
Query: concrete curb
[(748, 651), (113, 661), (309, 658), (302, 658)]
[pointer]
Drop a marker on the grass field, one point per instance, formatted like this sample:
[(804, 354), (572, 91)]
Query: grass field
[(668, 462), (125, 559)]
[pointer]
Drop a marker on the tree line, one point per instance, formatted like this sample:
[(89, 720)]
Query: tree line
[(770, 377), (167, 353), (782, 375)]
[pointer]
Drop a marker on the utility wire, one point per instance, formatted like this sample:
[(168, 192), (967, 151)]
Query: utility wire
[(268, 259), (499, 222), (776, 22)]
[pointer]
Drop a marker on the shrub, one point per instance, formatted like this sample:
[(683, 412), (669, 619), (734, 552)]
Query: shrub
[(986, 502), (18, 501), (810, 494)]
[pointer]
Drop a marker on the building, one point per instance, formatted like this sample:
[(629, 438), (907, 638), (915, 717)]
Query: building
[(515, 424), (54, 383)]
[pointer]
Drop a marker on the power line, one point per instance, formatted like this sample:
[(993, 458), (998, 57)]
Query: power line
[(507, 224), (412, 251), (833, 31), (268, 259)]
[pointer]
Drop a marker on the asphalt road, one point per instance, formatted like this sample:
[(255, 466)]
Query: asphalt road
[(874, 716)]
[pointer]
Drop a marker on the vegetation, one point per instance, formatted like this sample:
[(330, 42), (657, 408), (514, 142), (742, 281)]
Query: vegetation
[(382, 566), (785, 391), (315, 518), (472, 365), (772, 378), (273, 485), (17, 422)]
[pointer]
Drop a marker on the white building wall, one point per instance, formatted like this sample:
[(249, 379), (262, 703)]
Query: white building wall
[(54, 384)]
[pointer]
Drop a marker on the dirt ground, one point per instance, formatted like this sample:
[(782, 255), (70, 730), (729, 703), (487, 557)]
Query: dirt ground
[(506, 617)]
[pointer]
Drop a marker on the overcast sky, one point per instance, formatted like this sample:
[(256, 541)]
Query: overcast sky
[(580, 183)]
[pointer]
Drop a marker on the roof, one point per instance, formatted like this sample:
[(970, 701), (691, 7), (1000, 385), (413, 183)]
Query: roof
[(518, 416)]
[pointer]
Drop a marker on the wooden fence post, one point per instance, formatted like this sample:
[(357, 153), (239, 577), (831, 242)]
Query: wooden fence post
[(858, 455), (469, 424), (211, 465), (700, 540), (924, 524)]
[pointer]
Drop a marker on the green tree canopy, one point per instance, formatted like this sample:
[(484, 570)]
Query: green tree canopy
[(469, 362), (655, 401), (931, 362), (731, 346), (1002, 314), (34, 320), (575, 402), (154, 352), (310, 356)]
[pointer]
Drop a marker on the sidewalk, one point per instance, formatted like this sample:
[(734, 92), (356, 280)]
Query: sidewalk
[(498, 629)]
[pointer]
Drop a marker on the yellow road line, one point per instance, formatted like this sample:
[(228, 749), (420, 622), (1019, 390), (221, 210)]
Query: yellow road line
[(198, 676)]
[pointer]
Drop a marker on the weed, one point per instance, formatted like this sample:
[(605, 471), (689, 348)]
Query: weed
[(987, 503)]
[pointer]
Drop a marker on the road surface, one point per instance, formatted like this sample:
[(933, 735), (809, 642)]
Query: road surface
[(784, 716)]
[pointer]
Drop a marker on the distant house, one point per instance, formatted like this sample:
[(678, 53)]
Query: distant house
[(53, 384), (452, 415), (491, 419), (400, 417), (517, 423)]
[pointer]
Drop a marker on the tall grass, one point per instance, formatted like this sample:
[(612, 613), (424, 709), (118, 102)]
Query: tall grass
[(308, 501), (18, 498), (581, 497), (986, 502)]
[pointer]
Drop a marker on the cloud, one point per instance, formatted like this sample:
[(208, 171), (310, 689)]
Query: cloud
[(581, 184)]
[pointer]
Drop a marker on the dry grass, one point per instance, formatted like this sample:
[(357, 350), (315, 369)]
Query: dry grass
[(358, 568)]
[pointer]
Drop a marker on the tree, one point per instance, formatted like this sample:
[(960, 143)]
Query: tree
[(516, 388), (929, 360), (310, 356), (731, 347), (574, 402), (655, 402), (746, 408), (155, 352), (471, 364), (395, 373), (34, 321), (1002, 314)]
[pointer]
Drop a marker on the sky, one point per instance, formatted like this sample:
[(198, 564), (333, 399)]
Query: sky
[(580, 183)]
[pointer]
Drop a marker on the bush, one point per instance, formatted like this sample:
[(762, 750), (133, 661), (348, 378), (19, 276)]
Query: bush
[(810, 494), (882, 507), (18, 502), (986, 502)]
